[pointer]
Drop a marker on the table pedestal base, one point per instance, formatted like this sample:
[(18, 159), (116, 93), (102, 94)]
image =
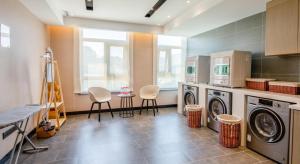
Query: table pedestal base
[(126, 107)]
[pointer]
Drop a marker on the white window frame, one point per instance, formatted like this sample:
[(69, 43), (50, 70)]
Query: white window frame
[(156, 50), (78, 78)]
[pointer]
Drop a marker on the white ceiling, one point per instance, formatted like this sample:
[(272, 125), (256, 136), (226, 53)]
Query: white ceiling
[(45, 10), (187, 19), (132, 11), (210, 14)]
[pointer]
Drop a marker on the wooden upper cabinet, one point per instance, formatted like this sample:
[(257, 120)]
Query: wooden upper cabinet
[(282, 27)]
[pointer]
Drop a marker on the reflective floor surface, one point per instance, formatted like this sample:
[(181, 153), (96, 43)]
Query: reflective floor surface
[(164, 139)]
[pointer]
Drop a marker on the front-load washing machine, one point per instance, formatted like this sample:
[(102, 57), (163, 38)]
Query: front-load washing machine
[(219, 102), (190, 96), (268, 123)]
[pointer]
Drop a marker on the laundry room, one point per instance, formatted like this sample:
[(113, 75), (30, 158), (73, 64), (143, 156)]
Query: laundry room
[(150, 81), (245, 76)]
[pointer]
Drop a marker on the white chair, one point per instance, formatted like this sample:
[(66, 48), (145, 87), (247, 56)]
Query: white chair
[(98, 96), (149, 93)]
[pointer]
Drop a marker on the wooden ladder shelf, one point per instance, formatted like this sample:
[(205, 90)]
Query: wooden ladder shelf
[(54, 99)]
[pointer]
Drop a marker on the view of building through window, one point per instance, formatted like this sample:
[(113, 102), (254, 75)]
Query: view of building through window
[(170, 61), (104, 59)]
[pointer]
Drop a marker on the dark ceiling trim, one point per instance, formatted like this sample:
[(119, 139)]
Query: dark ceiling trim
[(154, 8)]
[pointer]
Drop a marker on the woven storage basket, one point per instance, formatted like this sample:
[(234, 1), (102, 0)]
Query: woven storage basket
[(41, 133), (230, 130), (285, 87), (193, 115), (258, 83)]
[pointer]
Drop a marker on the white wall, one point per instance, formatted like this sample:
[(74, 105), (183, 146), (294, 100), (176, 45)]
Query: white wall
[(20, 68)]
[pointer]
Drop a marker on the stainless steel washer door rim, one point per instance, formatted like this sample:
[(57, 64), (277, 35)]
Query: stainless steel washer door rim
[(216, 107), (266, 125), (189, 98)]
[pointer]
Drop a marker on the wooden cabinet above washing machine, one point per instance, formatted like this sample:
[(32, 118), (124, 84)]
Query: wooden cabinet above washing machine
[(282, 27)]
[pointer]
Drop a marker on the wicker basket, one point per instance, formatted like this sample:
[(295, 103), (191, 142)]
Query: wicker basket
[(230, 130), (258, 83), (292, 88), (193, 116), (41, 133)]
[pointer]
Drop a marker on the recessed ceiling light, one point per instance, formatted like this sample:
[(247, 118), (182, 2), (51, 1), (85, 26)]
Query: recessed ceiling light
[(169, 16), (89, 5), (188, 1)]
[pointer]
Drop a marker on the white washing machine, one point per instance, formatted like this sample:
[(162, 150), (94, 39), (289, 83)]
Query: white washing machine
[(269, 128), (219, 102), (190, 96)]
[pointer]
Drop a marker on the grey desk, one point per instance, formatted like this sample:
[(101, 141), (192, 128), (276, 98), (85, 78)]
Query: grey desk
[(18, 117)]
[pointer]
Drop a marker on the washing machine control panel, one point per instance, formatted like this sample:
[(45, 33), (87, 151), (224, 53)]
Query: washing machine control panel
[(278, 106)]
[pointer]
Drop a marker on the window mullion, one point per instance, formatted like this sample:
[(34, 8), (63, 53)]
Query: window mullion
[(169, 57), (107, 59), (114, 42)]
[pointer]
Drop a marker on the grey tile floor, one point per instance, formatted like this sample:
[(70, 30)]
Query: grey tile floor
[(142, 139)]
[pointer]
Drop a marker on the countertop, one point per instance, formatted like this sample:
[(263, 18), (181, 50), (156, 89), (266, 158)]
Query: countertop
[(295, 107), (257, 93)]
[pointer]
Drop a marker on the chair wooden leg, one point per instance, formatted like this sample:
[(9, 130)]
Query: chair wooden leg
[(147, 105), (99, 112), (156, 105), (153, 107), (111, 112), (142, 106), (91, 110)]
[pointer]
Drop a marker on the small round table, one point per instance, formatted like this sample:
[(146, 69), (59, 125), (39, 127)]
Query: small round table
[(126, 105)]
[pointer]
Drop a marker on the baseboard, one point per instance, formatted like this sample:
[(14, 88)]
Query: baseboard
[(7, 156), (117, 109)]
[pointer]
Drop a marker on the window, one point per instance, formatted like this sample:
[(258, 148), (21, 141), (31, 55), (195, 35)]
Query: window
[(4, 36), (104, 59), (170, 61)]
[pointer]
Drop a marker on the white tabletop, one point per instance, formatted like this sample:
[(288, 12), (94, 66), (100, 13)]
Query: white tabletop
[(15, 115)]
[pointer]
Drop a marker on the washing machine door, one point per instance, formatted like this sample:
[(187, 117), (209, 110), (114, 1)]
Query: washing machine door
[(266, 125), (189, 98), (216, 107)]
